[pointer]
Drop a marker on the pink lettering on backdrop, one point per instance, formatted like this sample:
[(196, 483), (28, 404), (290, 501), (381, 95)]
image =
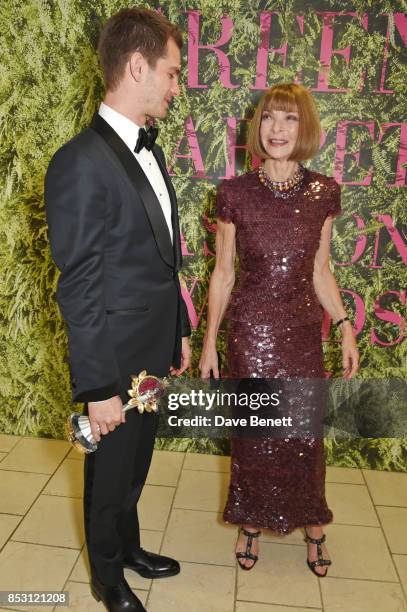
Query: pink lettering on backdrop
[(195, 153), (327, 50), (400, 23), (380, 313), (360, 244), (324, 136), (211, 229), (341, 144), (187, 294), (326, 326), (194, 46), (360, 317), (389, 316), (184, 246), (300, 21), (264, 50), (232, 147), (360, 311), (402, 156), (341, 138), (208, 225), (206, 251), (361, 241), (395, 237)]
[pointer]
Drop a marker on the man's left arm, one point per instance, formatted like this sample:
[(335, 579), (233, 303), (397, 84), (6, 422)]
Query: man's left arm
[(185, 323)]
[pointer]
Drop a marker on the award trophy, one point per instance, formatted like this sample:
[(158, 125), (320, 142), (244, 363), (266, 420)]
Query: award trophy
[(145, 393)]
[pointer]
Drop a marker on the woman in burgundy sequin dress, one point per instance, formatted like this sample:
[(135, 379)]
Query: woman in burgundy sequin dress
[(278, 220)]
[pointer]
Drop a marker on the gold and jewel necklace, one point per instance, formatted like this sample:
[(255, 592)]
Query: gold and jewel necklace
[(282, 189)]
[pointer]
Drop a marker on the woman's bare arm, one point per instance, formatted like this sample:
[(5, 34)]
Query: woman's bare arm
[(330, 298), (220, 287)]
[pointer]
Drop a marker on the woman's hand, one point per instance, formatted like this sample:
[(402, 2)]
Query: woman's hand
[(350, 353), (209, 361)]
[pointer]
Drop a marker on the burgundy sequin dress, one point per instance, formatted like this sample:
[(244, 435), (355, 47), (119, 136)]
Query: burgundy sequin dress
[(275, 332)]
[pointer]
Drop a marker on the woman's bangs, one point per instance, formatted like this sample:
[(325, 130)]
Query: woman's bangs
[(281, 100)]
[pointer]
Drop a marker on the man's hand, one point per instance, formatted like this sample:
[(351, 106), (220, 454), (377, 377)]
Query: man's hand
[(185, 358), (105, 416)]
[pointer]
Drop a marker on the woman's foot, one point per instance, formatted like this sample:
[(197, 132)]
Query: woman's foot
[(317, 551), (247, 547)]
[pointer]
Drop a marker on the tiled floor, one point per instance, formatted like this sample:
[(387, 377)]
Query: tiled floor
[(42, 540)]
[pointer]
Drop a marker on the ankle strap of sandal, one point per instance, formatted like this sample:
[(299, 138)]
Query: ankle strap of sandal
[(314, 540), (249, 534)]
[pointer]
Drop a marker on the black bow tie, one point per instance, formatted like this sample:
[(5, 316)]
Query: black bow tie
[(146, 138)]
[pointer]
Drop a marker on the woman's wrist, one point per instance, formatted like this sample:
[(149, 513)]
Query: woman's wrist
[(342, 320), (209, 340), (346, 328), (343, 324)]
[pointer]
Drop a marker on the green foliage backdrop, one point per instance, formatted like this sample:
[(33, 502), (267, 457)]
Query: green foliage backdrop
[(50, 87)]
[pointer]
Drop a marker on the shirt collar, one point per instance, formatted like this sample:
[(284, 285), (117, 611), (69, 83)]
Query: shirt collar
[(124, 127)]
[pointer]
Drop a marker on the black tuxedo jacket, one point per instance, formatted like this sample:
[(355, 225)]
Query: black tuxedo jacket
[(118, 290)]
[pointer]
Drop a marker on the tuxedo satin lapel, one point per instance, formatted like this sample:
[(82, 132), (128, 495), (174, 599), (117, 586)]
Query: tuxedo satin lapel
[(142, 186), (174, 209)]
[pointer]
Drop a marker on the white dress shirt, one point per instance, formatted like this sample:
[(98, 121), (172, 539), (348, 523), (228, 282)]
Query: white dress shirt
[(128, 132)]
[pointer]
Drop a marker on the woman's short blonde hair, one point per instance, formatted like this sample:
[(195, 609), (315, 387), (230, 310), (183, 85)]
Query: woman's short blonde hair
[(288, 97)]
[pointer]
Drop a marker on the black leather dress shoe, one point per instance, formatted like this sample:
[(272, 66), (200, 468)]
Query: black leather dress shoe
[(150, 565), (117, 598)]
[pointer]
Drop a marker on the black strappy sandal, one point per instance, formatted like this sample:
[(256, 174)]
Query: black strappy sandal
[(320, 561), (247, 554)]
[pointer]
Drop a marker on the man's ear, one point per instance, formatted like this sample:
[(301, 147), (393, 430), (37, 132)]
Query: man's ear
[(137, 65)]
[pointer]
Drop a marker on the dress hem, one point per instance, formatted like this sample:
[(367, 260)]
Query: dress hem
[(293, 527)]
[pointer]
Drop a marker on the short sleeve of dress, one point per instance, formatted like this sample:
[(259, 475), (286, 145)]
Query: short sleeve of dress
[(333, 200), (224, 208)]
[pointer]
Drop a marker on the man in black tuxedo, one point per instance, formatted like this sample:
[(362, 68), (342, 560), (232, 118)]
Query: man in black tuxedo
[(114, 233)]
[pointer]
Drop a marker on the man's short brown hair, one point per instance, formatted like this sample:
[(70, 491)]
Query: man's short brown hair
[(288, 97), (130, 30)]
